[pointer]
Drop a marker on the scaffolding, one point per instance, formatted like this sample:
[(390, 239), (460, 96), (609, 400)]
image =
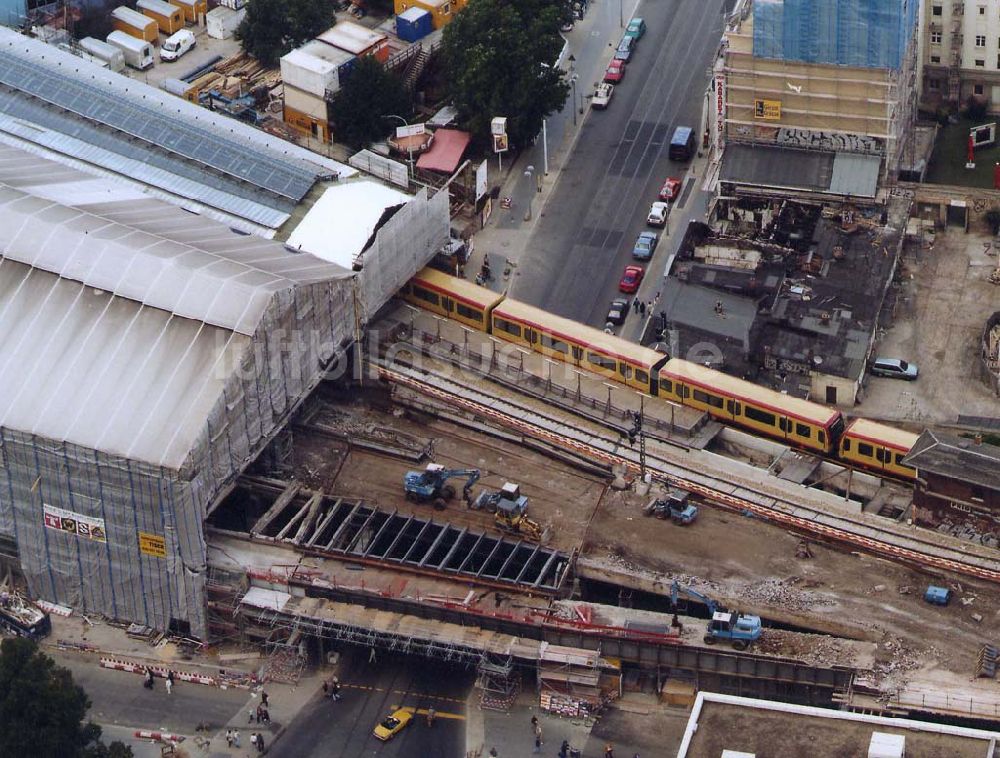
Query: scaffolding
[(499, 682)]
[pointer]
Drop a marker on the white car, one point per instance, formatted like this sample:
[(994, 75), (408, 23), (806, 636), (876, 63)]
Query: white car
[(602, 96), (177, 44), (658, 214)]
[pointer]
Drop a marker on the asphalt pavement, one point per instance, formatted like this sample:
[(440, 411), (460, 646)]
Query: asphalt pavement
[(579, 246), (370, 692)]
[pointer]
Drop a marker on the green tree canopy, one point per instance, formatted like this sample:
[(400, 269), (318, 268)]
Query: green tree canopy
[(499, 58), (42, 710), (271, 28), (366, 97)]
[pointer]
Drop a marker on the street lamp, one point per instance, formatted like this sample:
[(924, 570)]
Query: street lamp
[(621, 13), (572, 80), (409, 142), (531, 191)]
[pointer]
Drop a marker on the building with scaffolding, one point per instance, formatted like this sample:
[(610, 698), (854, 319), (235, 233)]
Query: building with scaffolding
[(812, 75), (959, 53)]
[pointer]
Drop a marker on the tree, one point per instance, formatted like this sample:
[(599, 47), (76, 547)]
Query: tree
[(273, 27), (365, 98), (42, 709), (500, 61)]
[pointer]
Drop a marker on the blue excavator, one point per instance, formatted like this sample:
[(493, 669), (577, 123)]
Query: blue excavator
[(738, 628), (431, 485)]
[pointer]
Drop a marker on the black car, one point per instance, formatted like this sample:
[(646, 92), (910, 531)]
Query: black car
[(618, 311)]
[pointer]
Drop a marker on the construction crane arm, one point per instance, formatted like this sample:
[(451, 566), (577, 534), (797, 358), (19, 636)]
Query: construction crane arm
[(676, 588)]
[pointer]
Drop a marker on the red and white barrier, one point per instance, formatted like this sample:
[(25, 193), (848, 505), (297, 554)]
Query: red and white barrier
[(145, 734), (134, 667)]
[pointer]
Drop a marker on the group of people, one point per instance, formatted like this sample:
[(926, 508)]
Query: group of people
[(331, 689), (256, 739), (147, 680)]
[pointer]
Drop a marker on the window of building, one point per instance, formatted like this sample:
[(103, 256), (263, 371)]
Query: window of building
[(977, 89), (934, 84), (980, 63), (935, 38), (935, 59), (980, 40), (936, 10), (982, 10)]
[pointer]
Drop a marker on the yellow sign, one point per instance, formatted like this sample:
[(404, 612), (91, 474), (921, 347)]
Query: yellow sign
[(152, 544), (768, 110)]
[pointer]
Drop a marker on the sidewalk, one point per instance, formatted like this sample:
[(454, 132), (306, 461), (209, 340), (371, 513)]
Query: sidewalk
[(511, 733)]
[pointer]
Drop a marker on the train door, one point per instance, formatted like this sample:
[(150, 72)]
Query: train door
[(733, 408)]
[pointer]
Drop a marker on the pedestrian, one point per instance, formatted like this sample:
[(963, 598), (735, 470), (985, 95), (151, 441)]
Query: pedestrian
[(260, 742), (263, 699), (236, 737), (493, 752), (170, 681), (229, 738), (635, 305), (148, 679), (642, 307), (538, 744), (431, 714), (253, 739), (371, 655), (266, 716), (260, 709), (534, 722), (336, 689), (609, 751), (326, 688), (564, 749)]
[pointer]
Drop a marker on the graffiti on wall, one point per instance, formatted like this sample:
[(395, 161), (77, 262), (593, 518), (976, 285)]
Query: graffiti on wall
[(851, 143)]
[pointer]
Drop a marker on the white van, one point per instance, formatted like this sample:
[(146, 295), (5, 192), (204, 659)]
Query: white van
[(176, 45), (138, 54)]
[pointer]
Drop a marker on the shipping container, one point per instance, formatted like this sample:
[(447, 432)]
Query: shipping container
[(358, 40), (168, 17), (442, 11), (414, 24), (111, 55), (134, 24), (138, 53), (306, 113), (192, 9), (234, 4), (222, 22), (315, 68)]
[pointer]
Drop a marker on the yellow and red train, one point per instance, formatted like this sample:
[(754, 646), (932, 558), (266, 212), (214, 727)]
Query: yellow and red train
[(797, 422)]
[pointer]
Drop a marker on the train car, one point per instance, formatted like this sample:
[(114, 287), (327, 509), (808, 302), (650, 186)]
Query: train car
[(583, 346), (877, 447), (452, 298), (736, 401)]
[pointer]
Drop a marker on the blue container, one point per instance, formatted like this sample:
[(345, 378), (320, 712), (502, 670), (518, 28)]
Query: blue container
[(937, 595), (414, 24)]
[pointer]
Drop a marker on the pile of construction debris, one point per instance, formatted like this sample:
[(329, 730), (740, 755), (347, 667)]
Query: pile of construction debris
[(238, 77), (815, 649), (774, 593)]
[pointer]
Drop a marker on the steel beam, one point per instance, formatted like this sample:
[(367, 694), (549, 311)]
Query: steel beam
[(378, 534), (342, 527)]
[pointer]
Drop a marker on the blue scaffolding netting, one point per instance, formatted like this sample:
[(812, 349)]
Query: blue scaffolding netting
[(868, 33)]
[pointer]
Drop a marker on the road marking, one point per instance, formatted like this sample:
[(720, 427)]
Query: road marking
[(403, 692), (423, 712)]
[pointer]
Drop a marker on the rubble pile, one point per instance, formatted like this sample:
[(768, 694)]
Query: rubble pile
[(815, 649)]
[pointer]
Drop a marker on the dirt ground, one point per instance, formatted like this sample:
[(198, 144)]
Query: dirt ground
[(752, 565), (941, 312), (559, 497)]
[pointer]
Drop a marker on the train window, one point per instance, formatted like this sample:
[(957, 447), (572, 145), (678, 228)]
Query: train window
[(666, 386), (470, 313), (554, 344), (448, 304), (507, 326), (865, 449), (426, 295), (603, 361), (577, 352), (530, 335), (685, 391), (847, 445), (732, 407), (625, 370), (642, 376), (708, 398), (784, 425), (821, 436), (883, 456), (759, 416), (803, 430)]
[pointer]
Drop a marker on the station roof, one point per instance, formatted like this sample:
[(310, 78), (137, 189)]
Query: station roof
[(956, 458), (69, 107), (122, 318), (843, 174)]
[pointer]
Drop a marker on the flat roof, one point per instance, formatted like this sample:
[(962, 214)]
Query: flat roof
[(810, 170), (446, 151), (695, 306), (957, 458), (340, 223), (352, 37), (765, 728)]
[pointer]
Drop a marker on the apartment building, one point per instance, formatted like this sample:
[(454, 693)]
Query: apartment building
[(960, 52)]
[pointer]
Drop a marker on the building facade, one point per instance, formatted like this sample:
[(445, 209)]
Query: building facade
[(960, 52), (818, 75)]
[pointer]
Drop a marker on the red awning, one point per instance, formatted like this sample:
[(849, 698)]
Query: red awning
[(446, 151)]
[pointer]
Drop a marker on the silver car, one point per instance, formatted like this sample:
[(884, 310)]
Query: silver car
[(894, 368)]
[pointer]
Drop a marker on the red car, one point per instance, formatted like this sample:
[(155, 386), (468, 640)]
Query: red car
[(670, 189), (615, 72), (631, 279)]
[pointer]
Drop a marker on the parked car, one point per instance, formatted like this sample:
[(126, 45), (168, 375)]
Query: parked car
[(895, 368), (625, 48), (658, 213), (393, 724), (635, 29), (618, 311), (631, 279), (177, 44), (602, 96), (670, 190), (644, 246), (615, 72)]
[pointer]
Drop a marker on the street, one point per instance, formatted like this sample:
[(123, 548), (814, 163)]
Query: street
[(580, 246), (370, 692)]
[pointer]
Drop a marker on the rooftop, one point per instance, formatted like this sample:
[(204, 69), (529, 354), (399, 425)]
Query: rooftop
[(766, 728), (766, 167), (956, 458)]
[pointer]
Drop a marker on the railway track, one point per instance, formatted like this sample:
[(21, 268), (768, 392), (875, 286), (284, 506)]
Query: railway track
[(798, 510)]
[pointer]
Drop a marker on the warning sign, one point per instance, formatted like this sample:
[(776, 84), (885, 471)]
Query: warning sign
[(74, 523), (152, 544), (767, 110)]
